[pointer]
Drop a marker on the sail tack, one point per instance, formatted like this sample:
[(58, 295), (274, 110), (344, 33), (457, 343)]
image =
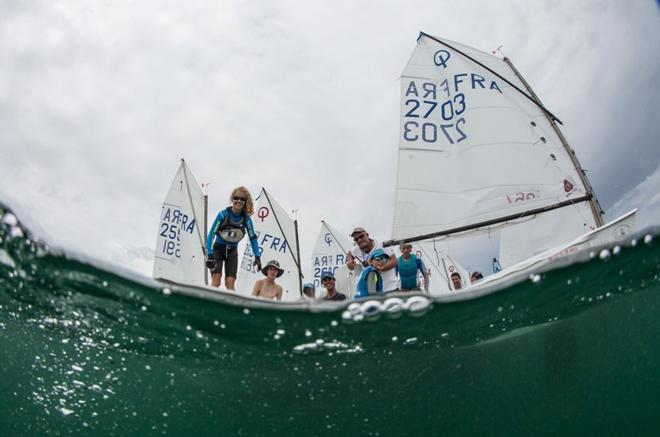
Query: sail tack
[(179, 254)]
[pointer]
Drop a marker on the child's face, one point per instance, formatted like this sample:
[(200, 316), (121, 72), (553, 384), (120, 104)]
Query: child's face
[(380, 261)]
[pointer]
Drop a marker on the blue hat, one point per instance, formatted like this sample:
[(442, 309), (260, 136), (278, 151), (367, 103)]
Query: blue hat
[(378, 253), (327, 274), (308, 285)]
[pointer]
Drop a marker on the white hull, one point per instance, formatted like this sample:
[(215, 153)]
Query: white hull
[(577, 250)]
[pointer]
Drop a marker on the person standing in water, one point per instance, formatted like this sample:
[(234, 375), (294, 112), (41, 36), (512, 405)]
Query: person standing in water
[(230, 226), (267, 288)]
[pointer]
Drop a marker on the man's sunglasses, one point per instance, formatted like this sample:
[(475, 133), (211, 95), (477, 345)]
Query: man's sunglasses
[(240, 199)]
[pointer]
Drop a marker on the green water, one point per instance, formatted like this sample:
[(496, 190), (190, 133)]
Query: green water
[(85, 351)]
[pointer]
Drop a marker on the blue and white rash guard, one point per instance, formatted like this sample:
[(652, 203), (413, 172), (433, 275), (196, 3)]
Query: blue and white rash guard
[(214, 234)]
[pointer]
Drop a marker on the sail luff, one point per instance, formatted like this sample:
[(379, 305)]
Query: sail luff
[(596, 210), (185, 175), (325, 225)]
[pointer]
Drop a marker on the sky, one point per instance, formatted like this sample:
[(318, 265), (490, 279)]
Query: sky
[(100, 100)]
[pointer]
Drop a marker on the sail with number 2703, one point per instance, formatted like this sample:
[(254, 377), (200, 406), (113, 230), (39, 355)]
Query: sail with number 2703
[(478, 150)]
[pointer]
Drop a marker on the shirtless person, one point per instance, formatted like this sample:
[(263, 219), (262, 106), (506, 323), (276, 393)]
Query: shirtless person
[(267, 288)]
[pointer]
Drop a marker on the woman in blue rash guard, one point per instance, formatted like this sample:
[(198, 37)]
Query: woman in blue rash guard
[(230, 226)]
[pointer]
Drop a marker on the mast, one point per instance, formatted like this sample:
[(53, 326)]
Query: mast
[(300, 276), (206, 229), (596, 210)]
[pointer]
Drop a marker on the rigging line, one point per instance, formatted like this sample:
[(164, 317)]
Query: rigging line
[(333, 236), (522, 214), (277, 220), (192, 206), (543, 108)]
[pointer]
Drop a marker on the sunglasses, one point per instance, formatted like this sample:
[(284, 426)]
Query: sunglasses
[(359, 237), (239, 199)]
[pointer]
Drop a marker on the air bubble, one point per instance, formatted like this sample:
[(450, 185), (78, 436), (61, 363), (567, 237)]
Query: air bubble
[(417, 305), (371, 309), (393, 307), (9, 219)]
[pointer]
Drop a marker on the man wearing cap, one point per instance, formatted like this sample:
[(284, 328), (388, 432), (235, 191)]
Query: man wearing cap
[(362, 252), (267, 288), (328, 281)]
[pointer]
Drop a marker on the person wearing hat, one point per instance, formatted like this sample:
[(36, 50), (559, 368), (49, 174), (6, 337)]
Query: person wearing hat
[(329, 282), (267, 288), (371, 280), (364, 248), (309, 291)]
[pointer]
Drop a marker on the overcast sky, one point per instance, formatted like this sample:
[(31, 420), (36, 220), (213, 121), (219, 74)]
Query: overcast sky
[(99, 101)]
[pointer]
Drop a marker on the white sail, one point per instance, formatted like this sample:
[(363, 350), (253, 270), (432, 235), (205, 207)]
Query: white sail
[(329, 252), (474, 149), (277, 241), (180, 254), (330, 255)]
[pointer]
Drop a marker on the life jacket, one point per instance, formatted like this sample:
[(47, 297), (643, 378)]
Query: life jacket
[(370, 283), (408, 272), (232, 231)]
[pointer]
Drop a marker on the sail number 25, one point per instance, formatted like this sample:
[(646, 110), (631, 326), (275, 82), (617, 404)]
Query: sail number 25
[(429, 130)]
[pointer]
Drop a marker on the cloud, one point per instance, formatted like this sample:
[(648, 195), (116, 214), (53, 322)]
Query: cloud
[(645, 197)]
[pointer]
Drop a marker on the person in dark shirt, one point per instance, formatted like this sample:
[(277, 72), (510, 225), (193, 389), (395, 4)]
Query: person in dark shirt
[(328, 281)]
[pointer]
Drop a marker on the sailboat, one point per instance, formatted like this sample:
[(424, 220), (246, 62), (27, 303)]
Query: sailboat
[(329, 254), (479, 153), (180, 245), (278, 239), (180, 254)]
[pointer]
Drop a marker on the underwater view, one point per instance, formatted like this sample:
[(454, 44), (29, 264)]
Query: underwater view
[(92, 350)]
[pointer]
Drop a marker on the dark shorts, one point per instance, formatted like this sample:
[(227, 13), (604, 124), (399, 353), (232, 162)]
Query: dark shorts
[(227, 255)]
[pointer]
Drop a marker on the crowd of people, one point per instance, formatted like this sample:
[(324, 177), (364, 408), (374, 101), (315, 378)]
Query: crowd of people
[(382, 271)]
